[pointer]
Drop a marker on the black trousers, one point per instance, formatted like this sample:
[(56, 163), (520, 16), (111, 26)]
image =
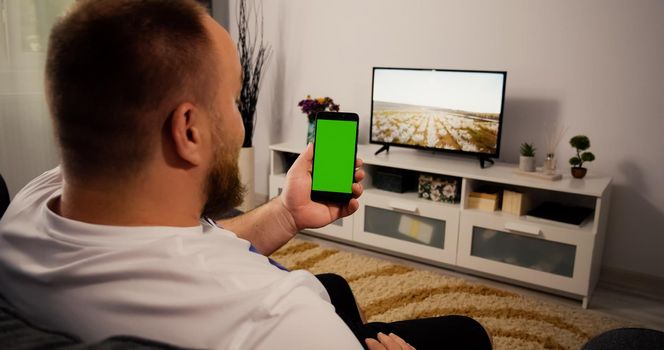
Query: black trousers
[(444, 332)]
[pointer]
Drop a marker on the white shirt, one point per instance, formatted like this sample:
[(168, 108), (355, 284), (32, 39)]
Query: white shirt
[(195, 287)]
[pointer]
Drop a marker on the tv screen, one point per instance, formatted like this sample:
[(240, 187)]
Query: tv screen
[(450, 110)]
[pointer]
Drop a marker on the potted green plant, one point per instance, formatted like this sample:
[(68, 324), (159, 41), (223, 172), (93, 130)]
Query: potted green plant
[(581, 143), (527, 159)]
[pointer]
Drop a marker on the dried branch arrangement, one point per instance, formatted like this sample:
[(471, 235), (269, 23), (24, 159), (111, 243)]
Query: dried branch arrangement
[(254, 54)]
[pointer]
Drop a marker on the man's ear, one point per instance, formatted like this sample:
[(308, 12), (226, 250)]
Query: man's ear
[(186, 130)]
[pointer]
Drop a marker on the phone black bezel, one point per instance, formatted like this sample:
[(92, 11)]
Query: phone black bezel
[(328, 196)]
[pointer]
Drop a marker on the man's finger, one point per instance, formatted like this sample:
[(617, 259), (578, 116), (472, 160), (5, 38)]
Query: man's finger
[(357, 190), (400, 341), (353, 206), (348, 209), (304, 160), (359, 175), (388, 342), (358, 162), (373, 344)]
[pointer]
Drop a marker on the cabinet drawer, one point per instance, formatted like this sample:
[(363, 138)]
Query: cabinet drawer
[(407, 226), (531, 252)]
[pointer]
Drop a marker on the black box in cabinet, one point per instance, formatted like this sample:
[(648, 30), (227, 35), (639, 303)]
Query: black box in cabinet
[(394, 180)]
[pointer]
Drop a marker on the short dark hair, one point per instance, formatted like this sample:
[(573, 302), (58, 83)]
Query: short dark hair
[(113, 67)]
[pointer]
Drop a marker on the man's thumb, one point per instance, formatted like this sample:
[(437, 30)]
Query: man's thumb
[(305, 159)]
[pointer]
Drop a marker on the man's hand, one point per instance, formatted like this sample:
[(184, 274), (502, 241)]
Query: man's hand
[(388, 342), (296, 196), (270, 226)]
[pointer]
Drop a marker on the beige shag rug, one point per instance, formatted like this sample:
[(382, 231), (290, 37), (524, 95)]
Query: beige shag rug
[(390, 292)]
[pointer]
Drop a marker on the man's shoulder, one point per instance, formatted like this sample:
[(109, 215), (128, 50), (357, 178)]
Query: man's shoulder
[(37, 191)]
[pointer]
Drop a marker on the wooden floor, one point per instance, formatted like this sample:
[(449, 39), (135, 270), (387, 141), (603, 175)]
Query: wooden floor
[(645, 311)]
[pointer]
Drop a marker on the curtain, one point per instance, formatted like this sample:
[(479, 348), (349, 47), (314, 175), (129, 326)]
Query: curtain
[(27, 146)]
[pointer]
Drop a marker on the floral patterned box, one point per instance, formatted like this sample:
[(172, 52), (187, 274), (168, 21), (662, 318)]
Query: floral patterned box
[(439, 188)]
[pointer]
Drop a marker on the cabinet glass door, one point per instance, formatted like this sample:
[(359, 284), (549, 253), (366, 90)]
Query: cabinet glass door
[(529, 252), (533, 252), (407, 227)]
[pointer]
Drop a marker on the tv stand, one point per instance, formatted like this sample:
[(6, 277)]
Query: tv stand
[(545, 254), (385, 148), (485, 159)]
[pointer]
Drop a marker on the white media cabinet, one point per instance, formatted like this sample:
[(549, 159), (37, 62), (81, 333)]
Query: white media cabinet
[(542, 254)]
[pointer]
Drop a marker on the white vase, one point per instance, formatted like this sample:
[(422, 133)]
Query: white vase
[(527, 163), (246, 165)]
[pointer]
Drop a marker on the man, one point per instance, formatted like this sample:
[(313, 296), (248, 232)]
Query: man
[(143, 98)]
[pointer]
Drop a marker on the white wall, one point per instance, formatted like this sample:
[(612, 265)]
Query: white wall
[(27, 146), (593, 65)]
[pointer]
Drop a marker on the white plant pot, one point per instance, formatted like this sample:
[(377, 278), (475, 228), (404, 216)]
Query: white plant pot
[(527, 163), (246, 165)]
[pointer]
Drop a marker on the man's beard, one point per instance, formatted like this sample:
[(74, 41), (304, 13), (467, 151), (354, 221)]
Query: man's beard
[(223, 189)]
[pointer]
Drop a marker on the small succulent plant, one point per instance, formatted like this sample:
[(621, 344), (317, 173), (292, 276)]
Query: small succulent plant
[(527, 149)]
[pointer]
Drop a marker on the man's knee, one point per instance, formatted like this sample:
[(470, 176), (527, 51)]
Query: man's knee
[(480, 337), (333, 282), (331, 277)]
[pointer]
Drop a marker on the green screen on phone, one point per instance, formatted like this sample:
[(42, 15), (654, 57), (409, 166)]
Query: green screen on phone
[(334, 157)]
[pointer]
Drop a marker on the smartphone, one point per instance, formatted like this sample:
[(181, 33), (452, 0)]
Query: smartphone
[(335, 150)]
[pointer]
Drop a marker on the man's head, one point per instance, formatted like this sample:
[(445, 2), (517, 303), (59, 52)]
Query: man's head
[(135, 85)]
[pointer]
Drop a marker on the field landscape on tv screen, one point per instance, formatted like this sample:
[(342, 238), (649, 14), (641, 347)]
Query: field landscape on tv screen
[(448, 110)]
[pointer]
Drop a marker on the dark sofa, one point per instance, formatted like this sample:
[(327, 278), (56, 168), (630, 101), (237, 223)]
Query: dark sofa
[(18, 334)]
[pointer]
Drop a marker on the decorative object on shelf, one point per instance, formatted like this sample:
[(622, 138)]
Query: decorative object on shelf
[(394, 180), (539, 175), (310, 107), (581, 143), (486, 200), (549, 167), (527, 158), (517, 203), (246, 169), (439, 188), (552, 142), (254, 54)]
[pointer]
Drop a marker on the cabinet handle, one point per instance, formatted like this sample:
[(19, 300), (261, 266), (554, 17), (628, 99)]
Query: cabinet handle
[(407, 207), (521, 228)]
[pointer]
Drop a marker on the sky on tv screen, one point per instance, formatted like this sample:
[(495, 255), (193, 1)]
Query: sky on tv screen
[(469, 91)]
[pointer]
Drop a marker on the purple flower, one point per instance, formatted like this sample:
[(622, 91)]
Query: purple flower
[(311, 106)]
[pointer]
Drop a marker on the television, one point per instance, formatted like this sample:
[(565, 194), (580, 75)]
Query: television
[(458, 111)]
